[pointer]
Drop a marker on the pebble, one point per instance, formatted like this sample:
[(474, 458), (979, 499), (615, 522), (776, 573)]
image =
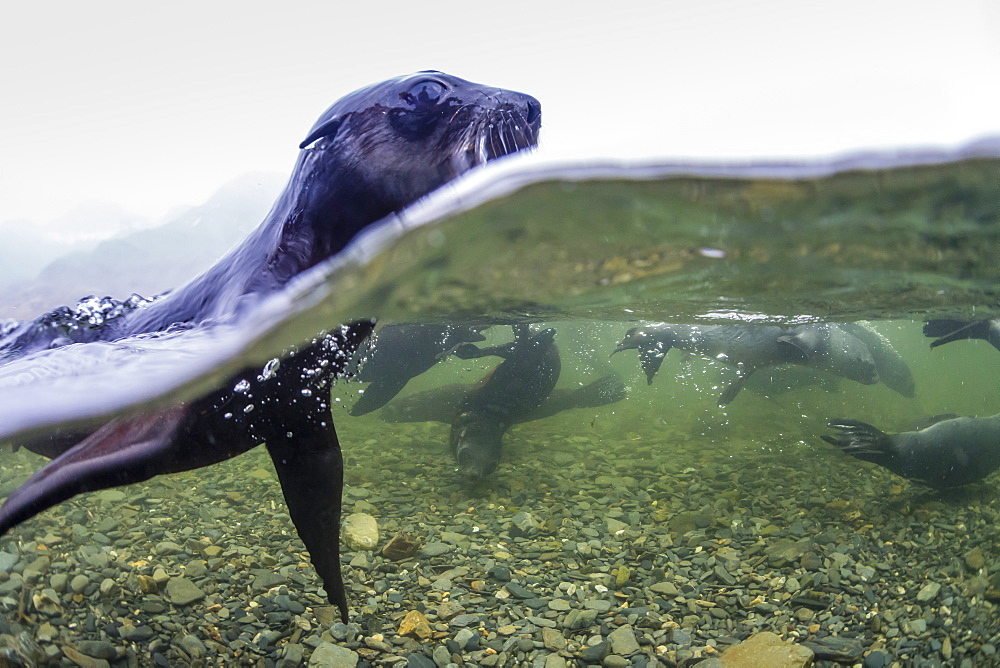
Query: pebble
[(182, 591), (928, 592)]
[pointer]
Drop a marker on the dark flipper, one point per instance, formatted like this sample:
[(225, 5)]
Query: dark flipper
[(734, 387), (121, 452), (861, 440), (651, 357), (605, 390), (376, 395), (438, 404), (311, 470), (945, 330)]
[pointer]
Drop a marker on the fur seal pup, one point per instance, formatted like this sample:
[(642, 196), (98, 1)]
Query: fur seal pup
[(949, 453), (515, 388), (750, 347), (397, 353), (372, 153), (946, 330)]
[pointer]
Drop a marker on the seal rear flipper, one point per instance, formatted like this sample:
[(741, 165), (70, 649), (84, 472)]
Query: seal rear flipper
[(124, 451), (311, 471), (861, 440)]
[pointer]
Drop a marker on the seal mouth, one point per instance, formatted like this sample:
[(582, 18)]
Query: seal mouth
[(495, 134)]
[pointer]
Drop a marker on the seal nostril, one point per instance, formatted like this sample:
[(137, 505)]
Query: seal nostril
[(534, 111)]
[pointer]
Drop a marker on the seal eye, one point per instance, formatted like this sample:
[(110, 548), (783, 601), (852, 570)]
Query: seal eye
[(420, 110), (424, 93)]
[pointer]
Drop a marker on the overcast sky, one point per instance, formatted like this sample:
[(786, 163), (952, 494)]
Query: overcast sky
[(154, 105)]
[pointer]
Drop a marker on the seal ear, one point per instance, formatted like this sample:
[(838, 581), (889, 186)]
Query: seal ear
[(803, 343), (327, 128)]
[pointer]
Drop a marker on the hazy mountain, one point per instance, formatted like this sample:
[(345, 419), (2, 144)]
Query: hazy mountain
[(146, 261)]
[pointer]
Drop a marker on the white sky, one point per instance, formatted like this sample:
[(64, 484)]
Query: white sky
[(153, 105)]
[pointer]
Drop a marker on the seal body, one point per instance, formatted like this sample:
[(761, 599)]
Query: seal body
[(949, 453), (750, 347), (515, 388), (397, 353), (372, 153)]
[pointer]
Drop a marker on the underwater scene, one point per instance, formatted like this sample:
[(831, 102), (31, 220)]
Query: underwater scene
[(669, 415)]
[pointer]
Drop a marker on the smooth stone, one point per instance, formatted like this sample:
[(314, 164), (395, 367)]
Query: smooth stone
[(79, 583), (832, 648), (623, 641), (614, 526), (441, 656), (328, 655), (928, 592), (767, 649), (554, 661), (291, 656), (467, 639), (7, 561), (419, 661), (193, 646), (182, 591), (82, 660), (436, 549), (360, 531), (553, 639), (167, 548), (99, 649), (595, 653), (974, 559), (415, 625), (265, 581)]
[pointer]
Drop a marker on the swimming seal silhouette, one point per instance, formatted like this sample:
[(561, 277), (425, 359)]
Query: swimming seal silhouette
[(752, 347), (511, 391), (397, 353), (949, 453), (946, 330), (372, 153)]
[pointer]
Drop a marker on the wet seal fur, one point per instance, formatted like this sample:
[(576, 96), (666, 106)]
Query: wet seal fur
[(372, 153), (949, 453)]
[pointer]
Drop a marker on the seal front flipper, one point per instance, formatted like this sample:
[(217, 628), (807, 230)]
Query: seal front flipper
[(734, 387), (311, 470), (861, 440), (123, 451)]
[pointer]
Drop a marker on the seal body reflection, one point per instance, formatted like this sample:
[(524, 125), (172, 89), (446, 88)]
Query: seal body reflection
[(372, 153)]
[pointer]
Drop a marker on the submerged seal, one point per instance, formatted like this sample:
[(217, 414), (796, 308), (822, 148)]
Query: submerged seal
[(510, 392), (949, 453), (751, 347), (946, 330), (397, 353), (372, 153)]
